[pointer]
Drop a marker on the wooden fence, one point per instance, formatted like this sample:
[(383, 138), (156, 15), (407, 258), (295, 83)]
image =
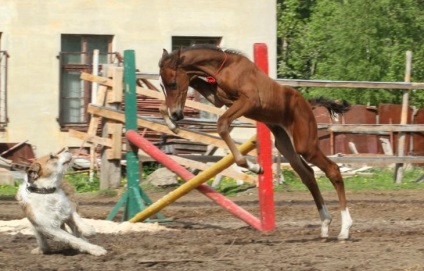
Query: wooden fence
[(402, 128)]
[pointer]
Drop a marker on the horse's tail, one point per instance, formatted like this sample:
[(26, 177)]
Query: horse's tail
[(334, 107)]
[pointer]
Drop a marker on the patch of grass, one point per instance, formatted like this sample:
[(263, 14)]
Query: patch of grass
[(380, 179), (107, 193), (81, 182), (229, 187), (8, 190), (147, 186)]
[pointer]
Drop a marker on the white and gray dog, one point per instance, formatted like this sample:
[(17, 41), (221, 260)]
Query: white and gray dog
[(45, 199)]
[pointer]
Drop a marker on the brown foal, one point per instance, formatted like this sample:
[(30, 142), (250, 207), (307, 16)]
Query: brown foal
[(226, 77)]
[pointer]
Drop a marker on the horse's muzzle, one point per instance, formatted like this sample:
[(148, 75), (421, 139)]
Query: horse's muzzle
[(177, 115)]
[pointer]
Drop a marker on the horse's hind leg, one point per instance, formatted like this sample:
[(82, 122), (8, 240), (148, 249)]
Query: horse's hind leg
[(284, 144), (332, 171)]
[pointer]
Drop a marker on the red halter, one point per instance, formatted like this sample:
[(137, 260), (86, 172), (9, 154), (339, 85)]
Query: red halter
[(212, 79)]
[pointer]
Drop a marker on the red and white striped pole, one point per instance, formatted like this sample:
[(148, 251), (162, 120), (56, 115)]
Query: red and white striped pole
[(266, 186)]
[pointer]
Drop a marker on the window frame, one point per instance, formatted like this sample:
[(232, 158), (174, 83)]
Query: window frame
[(192, 40), (86, 65), (4, 118)]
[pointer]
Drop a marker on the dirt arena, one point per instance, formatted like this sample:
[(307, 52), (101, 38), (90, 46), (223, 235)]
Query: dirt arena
[(387, 235)]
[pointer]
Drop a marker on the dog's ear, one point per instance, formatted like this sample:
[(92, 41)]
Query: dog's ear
[(34, 172)]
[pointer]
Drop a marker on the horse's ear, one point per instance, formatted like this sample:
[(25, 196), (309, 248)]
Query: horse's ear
[(180, 59), (165, 53), (164, 56)]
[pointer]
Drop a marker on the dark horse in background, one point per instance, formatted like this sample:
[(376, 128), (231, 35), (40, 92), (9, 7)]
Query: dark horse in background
[(226, 77)]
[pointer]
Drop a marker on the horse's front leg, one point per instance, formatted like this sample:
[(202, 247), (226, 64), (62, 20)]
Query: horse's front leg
[(238, 109), (173, 126)]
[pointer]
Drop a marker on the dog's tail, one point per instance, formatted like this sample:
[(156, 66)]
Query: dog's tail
[(84, 229)]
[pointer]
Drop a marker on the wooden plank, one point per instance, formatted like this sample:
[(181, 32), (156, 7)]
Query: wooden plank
[(229, 172), (350, 84), (159, 127), (114, 130), (325, 83), (149, 76), (189, 103), (378, 159), (371, 128), (98, 79), (148, 84), (95, 120), (373, 159), (91, 139), (360, 158), (115, 95)]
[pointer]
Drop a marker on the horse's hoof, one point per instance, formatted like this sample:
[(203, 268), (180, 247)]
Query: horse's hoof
[(38, 251), (261, 170), (257, 169), (343, 238)]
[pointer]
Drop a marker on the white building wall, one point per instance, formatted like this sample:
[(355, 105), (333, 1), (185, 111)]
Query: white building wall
[(32, 30)]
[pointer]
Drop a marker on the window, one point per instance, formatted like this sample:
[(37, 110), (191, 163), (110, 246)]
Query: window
[(3, 87), (76, 57), (181, 42)]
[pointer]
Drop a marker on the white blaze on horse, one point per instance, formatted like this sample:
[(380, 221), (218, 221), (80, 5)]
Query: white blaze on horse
[(226, 77)]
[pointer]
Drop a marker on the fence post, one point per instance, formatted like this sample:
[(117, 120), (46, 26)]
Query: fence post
[(266, 185), (403, 119), (134, 199)]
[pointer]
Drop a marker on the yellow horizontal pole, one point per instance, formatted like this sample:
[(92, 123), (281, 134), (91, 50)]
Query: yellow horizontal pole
[(171, 197)]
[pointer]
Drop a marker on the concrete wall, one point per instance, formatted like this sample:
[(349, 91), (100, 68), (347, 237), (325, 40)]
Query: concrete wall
[(31, 31)]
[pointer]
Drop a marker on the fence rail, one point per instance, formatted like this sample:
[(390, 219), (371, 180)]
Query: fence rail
[(351, 128), (350, 84), (324, 83), (371, 128)]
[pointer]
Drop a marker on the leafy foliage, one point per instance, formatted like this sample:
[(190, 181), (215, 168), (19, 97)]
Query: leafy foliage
[(81, 182), (352, 40)]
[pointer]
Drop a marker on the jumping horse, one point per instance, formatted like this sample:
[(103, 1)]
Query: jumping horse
[(226, 77)]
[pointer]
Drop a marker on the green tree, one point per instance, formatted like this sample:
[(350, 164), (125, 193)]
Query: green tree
[(293, 16), (356, 40)]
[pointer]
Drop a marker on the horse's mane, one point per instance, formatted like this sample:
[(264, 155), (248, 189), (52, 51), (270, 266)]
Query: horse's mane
[(202, 47), (212, 47)]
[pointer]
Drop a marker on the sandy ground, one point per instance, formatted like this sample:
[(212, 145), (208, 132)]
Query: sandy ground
[(387, 235)]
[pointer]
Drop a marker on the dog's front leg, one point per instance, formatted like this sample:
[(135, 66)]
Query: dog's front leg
[(43, 247)]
